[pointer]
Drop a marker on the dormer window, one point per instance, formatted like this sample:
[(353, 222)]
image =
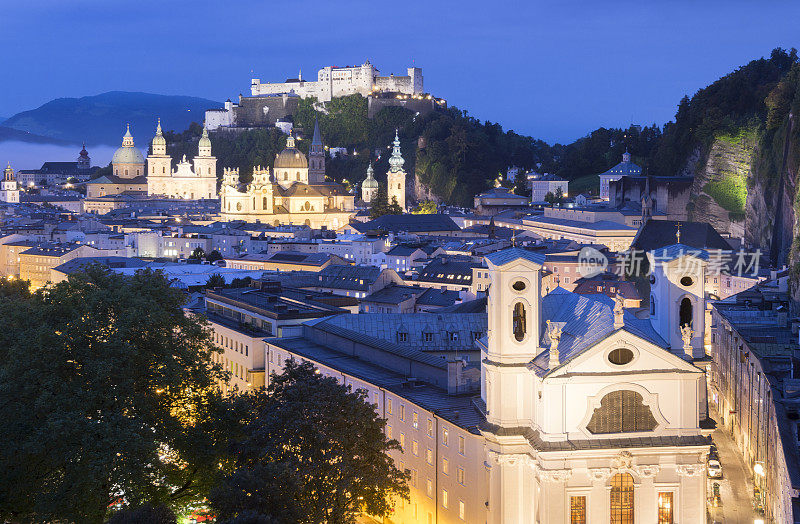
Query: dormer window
[(402, 337)]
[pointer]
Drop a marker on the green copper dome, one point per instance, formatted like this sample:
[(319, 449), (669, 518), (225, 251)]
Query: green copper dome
[(204, 142), (370, 182), (127, 154)]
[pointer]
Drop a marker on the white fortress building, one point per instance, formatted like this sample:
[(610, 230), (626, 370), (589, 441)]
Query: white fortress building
[(333, 81)]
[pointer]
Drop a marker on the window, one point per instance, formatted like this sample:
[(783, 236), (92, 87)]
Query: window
[(427, 337), (518, 322), (430, 428), (577, 510), (402, 337), (652, 305), (519, 285), (665, 508), (415, 447), (389, 432), (622, 411), (445, 499), (403, 441), (389, 406), (402, 412), (414, 478), (622, 499), (460, 476), (453, 335), (445, 466), (429, 456), (685, 313), (430, 488), (444, 437), (620, 356), (415, 420), (461, 445), (462, 510)]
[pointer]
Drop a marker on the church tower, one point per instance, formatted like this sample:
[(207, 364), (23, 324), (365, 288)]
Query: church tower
[(370, 186), (9, 189), (396, 177), (677, 291), (316, 158), (205, 167), (84, 163), (159, 167)]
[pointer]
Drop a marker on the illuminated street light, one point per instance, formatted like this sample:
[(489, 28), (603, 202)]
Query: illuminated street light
[(758, 469)]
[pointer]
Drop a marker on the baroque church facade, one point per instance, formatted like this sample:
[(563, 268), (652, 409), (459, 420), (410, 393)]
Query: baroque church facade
[(9, 187), (294, 191), (192, 181)]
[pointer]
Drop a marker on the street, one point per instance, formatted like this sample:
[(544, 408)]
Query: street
[(736, 488)]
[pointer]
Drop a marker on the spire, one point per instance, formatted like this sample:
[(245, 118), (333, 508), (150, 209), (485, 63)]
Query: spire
[(396, 161), (290, 140), (678, 233), (127, 140), (159, 144), (204, 144), (317, 139), (158, 128)]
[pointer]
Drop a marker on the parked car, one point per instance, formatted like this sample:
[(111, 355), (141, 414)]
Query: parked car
[(714, 469)]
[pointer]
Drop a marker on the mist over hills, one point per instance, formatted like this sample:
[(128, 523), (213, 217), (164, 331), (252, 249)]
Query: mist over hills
[(101, 119)]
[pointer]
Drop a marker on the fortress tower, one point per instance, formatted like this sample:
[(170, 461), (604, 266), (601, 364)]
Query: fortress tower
[(396, 177)]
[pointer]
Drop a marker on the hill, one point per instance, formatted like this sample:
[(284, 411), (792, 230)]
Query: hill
[(15, 135), (101, 119)]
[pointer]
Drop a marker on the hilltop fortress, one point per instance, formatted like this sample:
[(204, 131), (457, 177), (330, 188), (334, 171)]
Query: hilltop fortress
[(333, 81), (272, 103)]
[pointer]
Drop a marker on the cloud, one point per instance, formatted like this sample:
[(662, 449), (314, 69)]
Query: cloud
[(23, 155)]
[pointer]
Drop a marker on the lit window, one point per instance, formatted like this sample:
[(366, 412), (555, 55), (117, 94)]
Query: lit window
[(445, 466), (444, 437), (388, 432), (430, 428), (445, 499), (415, 447), (577, 510), (430, 488), (461, 445), (665, 508), (462, 510), (460, 476), (389, 406), (415, 420), (402, 441), (429, 456)]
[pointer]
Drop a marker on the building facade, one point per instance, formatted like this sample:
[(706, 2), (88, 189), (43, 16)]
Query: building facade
[(128, 172), (187, 181), (286, 194), (9, 188)]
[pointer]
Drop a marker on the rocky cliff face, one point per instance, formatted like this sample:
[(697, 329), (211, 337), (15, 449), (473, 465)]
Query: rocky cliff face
[(720, 190)]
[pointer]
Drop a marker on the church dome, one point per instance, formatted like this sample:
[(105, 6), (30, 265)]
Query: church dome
[(370, 182), (204, 141), (290, 157), (159, 139), (127, 154)]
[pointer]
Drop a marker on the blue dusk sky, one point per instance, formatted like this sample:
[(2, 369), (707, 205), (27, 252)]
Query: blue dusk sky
[(554, 70)]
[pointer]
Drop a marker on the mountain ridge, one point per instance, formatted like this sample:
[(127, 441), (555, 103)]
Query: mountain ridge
[(101, 119)]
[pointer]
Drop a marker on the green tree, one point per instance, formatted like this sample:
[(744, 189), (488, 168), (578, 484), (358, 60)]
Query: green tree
[(214, 256), (215, 280), (428, 207), (379, 205), (198, 254), (108, 396), (316, 452), (146, 514)]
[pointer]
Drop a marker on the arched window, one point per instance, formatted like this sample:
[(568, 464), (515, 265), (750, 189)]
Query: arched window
[(265, 202), (518, 321), (652, 306), (685, 312), (398, 186), (163, 169), (254, 203), (297, 175), (622, 411), (622, 499), (286, 175)]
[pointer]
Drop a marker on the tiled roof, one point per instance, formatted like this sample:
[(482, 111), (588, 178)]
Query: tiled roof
[(503, 257), (409, 223), (656, 234)]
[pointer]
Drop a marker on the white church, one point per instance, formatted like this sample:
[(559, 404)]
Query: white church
[(587, 412)]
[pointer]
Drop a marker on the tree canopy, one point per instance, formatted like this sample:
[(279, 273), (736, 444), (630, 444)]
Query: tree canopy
[(315, 452), (107, 396)]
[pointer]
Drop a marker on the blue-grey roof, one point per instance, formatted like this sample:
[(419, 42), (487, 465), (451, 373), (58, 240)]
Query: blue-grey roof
[(587, 320), (387, 326), (500, 258), (675, 251)]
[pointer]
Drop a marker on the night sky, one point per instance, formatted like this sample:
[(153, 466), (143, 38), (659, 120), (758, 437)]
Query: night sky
[(554, 70)]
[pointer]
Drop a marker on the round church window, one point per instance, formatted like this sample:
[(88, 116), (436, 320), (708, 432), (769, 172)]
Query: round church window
[(620, 356), (519, 285), (687, 281)]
